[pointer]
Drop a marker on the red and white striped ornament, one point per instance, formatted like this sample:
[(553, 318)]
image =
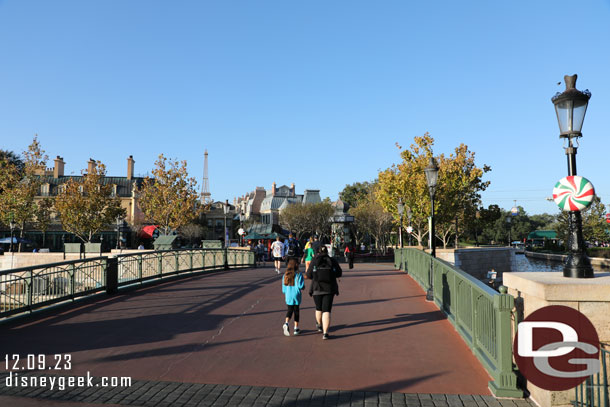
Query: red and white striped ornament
[(573, 193)]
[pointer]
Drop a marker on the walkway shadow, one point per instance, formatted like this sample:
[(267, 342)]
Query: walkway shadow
[(88, 328), (403, 321)]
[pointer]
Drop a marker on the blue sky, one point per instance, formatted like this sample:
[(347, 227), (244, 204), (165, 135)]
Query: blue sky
[(312, 92)]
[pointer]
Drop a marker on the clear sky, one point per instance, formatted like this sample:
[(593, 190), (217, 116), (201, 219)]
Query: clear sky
[(311, 92)]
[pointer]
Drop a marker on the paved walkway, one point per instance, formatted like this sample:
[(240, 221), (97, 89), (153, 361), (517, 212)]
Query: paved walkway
[(218, 336)]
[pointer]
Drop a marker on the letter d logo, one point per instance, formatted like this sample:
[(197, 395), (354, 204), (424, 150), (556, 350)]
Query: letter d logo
[(526, 338), (556, 348)]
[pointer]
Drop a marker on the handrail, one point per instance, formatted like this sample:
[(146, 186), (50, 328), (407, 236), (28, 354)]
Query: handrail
[(481, 315), (27, 289)]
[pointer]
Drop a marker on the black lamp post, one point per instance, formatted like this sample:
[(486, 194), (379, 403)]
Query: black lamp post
[(401, 208), (431, 177), (242, 217), (508, 221), (118, 232), (225, 209), (409, 214), (571, 106), (12, 225)]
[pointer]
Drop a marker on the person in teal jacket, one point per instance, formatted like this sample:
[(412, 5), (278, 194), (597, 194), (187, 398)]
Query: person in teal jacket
[(292, 284)]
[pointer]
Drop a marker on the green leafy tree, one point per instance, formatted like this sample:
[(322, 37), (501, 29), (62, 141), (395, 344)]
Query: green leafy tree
[(85, 206), (20, 187), (356, 192), (594, 225), (12, 158), (169, 199)]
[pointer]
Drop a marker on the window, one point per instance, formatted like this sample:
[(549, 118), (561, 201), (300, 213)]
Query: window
[(44, 190)]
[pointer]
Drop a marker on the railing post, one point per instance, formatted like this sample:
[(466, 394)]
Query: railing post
[(72, 272), (473, 315), (505, 379), (140, 267), (160, 263), (29, 288), (177, 258), (112, 275), (191, 259)]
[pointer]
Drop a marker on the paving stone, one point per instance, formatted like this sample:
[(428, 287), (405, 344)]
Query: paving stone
[(491, 401)]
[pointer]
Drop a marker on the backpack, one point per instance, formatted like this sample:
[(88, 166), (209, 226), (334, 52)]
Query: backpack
[(324, 274), (292, 248)]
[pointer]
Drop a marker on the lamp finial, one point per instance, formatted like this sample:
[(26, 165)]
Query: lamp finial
[(570, 81)]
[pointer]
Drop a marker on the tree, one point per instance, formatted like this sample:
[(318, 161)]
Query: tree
[(356, 192), (594, 225), (19, 188), (370, 217), (457, 192), (86, 205), (295, 219), (12, 158), (169, 199), (304, 219), (43, 216), (192, 231), (321, 218)]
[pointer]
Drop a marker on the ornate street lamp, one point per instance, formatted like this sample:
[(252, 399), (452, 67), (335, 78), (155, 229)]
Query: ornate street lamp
[(410, 228), (571, 106), (12, 225), (431, 178), (242, 218), (401, 208), (225, 209), (118, 232)]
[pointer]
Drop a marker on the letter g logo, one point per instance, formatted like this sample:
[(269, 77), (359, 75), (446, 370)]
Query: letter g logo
[(556, 348)]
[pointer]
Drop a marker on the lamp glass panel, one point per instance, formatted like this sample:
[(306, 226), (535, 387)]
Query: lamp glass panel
[(579, 115), (431, 176), (564, 116)]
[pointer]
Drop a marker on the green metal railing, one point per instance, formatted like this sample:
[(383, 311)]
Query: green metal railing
[(31, 288), (481, 315), (594, 391)]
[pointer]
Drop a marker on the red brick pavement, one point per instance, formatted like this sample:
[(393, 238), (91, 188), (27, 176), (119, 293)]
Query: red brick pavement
[(225, 328)]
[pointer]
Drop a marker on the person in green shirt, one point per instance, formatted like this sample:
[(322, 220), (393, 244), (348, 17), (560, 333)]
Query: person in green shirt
[(308, 253)]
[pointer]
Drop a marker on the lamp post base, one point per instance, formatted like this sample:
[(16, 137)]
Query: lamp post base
[(430, 295), (578, 265)]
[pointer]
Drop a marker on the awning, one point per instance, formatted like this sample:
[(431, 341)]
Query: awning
[(149, 232)]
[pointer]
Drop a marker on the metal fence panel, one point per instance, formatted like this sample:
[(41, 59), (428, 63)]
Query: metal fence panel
[(481, 315)]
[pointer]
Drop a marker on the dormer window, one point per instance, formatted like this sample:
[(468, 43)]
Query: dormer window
[(115, 190), (44, 189)]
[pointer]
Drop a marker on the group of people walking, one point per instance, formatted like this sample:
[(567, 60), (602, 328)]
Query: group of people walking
[(321, 269)]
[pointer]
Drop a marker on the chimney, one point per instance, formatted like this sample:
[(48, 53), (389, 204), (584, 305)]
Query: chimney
[(90, 165), (292, 189), (273, 189), (58, 170), (130, 163)]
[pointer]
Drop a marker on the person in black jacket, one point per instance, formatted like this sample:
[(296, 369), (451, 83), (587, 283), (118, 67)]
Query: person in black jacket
[(323, 272)]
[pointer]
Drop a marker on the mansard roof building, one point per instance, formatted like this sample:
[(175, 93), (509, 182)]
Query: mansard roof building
[(264, 206)]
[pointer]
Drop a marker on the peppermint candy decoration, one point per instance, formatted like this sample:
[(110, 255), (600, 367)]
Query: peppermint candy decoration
[(573, 193)]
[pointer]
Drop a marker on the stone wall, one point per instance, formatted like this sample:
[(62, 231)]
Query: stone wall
[(478, 261)]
